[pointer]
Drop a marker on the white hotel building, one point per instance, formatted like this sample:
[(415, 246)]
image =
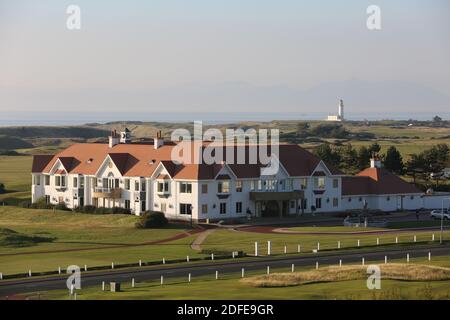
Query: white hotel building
[(142, 177)]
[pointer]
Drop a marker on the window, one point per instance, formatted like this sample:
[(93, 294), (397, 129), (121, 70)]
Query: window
[(143, 185), (94, 182), (127, 204), (81, 182), (238, 207), (105, 182), (223, 187), (37, 180), (185, 208), (47, 180), (238, 186), (335, 202), (335, 183), (75, 182), (319, 183), (204, 188), (223, 208), (136, 186), (63, 181), (204, 208), (292, 204), (185, 187), (303, 183), (252, 185), (163, 186), (271, 185), (259, 184), (127, 184), (318, 203), (289, 184), (57, 181)]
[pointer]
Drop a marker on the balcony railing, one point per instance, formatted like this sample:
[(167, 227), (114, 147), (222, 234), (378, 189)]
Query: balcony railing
[(107, 192)]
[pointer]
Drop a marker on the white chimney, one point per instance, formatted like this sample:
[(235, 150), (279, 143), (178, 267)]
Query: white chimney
[(375, 162), (125, 136), (158, 141), (341, 109), (113, 139)]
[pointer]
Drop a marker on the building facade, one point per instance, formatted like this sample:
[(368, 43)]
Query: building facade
[(142, 177)]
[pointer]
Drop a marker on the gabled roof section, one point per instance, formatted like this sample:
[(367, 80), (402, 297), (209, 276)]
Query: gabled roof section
[(376, 181), (40, 161), (123, 162), (68, 163)]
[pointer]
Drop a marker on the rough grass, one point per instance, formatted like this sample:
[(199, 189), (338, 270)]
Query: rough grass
[(403, 272), (11, 238)]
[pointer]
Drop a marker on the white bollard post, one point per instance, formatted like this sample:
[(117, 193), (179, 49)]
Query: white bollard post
[(339, 244), (429, 256), (164, 260), (378, 241), (85, 267), (256, 249), (359, 242), (407, 257), (212, 256), (132, 283), (232, 255), (269, 248), (415, 238), (318, 246), (285, 250), (162, 280), (268, 270), (362, 261), (299, 248), (217, 275), (103, 285), (187, 258), (242, 273), (29, 273), (432, 237), (112, 265), (1, 276), (396, 239), (292, 268), (59, 270), (340, 262), (140, 263), (71, 289), (189, 278), (385, 259), (317, 265)]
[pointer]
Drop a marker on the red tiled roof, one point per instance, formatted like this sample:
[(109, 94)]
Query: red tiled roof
[(140, 160), (376, 181)]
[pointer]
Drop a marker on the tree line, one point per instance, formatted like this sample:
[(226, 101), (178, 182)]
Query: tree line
[(350, 160)]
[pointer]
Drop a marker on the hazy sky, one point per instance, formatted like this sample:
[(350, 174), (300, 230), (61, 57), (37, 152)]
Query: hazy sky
[(225, 55)]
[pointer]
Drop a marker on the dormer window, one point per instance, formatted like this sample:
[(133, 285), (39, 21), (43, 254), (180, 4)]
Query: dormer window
[(89, 160), (163, 186)]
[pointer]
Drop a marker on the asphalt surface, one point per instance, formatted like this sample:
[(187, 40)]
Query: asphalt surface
[(13, 287)]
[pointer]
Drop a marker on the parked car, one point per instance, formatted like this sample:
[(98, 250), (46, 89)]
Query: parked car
[(437, 214)]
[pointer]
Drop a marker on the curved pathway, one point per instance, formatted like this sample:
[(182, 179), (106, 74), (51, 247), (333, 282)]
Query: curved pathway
[(196, 245), (275, 230)]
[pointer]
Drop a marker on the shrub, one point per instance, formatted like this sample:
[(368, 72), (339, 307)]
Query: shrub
[(85, 209), (40, 204), (61, 206), (152, 219), (2, 188)]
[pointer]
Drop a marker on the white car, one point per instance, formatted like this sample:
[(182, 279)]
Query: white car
[(437, 214)]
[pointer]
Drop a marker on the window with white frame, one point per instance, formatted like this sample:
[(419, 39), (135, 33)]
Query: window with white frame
[(47, 180), (223, 208), (303, 183), (319, 182), (239, 186), (127, 184), (185, 187), (185, 208), (238, 207), (223, 187), (163, 186)]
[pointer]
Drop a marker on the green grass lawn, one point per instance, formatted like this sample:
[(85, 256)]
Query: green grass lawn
[(83, 231), (206, 287), (15, 174)]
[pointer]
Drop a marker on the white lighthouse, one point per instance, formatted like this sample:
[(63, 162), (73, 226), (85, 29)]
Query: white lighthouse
[(341, 110), (340, 116)]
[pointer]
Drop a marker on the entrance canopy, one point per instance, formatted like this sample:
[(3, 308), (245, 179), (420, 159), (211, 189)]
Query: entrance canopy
[(267, 196)]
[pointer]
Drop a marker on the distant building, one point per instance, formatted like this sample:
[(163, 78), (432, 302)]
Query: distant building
[(340, 116)]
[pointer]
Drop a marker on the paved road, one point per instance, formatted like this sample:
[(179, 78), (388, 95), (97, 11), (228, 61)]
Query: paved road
[(11, 287)]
